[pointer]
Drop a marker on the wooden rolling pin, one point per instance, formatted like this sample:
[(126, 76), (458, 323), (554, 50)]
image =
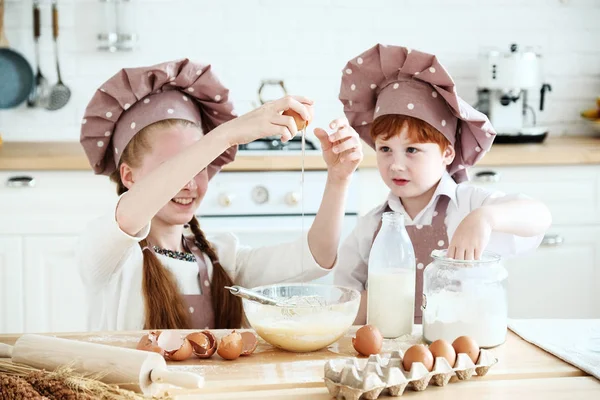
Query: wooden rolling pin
[(131, 369)]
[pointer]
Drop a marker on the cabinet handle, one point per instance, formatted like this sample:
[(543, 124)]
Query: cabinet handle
[(552, 240), (487, 176), (20, 182)]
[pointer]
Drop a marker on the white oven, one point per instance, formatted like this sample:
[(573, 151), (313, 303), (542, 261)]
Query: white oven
[(265, 207)]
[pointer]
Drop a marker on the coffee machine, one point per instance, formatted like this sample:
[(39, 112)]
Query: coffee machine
[(504, 81)]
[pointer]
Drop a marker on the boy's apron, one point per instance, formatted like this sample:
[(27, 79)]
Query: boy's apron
[(425, 239), (199, 305)]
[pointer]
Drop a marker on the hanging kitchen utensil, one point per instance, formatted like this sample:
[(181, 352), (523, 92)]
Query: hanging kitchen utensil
[(17, 75), (130, 369), (41, 90), (60, 93)]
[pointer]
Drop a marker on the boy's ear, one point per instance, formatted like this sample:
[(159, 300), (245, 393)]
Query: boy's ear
[(126, 175), (449, 155)]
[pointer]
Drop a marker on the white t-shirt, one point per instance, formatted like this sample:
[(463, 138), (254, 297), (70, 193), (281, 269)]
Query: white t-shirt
[(111, 266), (351, 269)]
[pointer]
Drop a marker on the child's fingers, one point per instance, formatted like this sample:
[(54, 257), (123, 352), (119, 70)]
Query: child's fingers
[(290, 129), (351, 155), (348, 144), (293, 103), (478, 253), (342, 133), (469, 254), (339, 122)]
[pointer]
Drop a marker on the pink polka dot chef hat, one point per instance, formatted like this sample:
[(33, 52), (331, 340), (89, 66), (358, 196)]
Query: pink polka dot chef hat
[(397, 80), (137, 97)]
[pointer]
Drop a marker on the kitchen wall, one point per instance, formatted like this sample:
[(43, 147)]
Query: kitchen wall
[(307, 43)]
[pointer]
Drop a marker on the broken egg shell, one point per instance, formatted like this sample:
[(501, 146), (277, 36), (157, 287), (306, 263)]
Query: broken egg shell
[(468, 345), (175, 346), (204, 344), (368, 340), (301, 123), (418, 353), (249, 343), (443, 348), (230, 347), (148, 343)]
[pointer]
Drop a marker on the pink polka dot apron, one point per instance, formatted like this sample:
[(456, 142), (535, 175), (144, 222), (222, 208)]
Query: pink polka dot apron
[(425, 239), (199, 305)]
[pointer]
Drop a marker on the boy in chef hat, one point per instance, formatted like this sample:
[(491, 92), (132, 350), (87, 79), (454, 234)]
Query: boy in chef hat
[(403, 103), (161, 133)]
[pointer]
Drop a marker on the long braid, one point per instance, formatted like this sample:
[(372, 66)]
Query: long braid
[(227, 309)]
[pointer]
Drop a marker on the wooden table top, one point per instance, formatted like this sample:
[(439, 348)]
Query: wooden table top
[(523, 370)]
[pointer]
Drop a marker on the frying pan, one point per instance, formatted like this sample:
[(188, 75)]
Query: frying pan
[(16, 75)]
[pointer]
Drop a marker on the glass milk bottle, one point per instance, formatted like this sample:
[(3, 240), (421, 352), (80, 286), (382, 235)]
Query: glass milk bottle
[(391, 279)]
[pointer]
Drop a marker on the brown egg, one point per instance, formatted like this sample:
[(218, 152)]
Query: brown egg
[(231, 345), (148, 343), (442, 348), (249, 343), (204, 344), (301, 123), (466, 344), (175, 346), (368, 340), (417, 353)]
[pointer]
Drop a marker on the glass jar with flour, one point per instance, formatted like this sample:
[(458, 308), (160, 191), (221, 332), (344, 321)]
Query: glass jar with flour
[(465, 298)]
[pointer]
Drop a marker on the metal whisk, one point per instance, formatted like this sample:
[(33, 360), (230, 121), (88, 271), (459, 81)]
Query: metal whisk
[(287, 306)]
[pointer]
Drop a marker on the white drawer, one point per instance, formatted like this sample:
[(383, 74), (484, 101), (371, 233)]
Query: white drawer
[(54, 192), (571, 192)]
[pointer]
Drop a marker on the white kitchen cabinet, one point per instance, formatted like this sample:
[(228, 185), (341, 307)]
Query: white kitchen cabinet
[(561, 279), (55, 298), (11, 282)]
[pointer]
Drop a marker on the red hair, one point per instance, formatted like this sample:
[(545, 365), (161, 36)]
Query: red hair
[(419, 131)]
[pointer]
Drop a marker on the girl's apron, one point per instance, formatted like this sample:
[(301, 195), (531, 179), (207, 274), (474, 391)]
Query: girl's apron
[(199, 305), (425, 239)]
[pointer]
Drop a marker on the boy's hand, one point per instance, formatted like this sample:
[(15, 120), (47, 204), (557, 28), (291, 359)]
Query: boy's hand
[(471, 237), (342, 150)]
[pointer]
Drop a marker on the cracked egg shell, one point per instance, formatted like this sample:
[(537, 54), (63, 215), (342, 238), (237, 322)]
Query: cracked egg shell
[(230, 347), (249, 343), (175, 346), (368, 340), (204, 344), (148, 342)]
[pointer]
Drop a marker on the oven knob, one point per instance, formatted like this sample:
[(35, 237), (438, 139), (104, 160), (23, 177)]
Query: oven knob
[(225, 199), (260, 195), (292, 198)]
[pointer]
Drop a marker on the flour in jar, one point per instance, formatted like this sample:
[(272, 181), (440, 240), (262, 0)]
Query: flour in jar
[(481, 314)]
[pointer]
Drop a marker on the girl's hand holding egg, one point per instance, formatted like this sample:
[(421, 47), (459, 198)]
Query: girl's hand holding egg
[(268, 120)]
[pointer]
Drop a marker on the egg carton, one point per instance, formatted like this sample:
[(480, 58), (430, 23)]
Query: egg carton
[(346, 380)]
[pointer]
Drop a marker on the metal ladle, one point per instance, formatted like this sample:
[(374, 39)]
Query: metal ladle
[(41, 91), (60, 93)]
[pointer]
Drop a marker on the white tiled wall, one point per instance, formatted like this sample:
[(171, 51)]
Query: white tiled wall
[(307, 43)]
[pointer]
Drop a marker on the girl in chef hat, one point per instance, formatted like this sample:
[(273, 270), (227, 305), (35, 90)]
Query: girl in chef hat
[(403, 104), (161, 133)]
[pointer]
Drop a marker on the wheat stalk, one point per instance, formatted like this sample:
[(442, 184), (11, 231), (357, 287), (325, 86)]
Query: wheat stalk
[(70, 382)]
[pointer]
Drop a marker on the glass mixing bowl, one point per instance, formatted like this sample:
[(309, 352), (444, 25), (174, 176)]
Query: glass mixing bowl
[(308, 318)]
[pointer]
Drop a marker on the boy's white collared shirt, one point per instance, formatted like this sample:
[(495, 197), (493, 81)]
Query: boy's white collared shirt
[(353, 260)]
